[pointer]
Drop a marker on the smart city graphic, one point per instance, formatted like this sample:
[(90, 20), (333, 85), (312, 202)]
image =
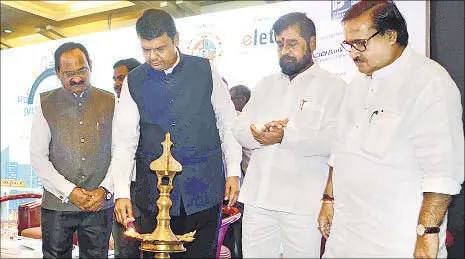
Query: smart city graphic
[(19, 177)]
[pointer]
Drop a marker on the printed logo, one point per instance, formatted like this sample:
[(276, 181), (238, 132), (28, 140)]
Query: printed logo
[(338, 8), (205, 45), (43, 82), (258, 38), (327, 53)]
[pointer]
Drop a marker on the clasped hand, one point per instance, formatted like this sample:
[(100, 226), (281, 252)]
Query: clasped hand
[(272, 133), (87, 200)]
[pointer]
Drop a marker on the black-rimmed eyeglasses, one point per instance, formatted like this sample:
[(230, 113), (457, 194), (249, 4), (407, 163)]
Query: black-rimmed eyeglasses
[(359, 45)]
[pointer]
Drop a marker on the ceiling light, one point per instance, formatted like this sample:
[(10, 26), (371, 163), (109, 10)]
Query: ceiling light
[(77, 6), (35, 36), (7, 31), (56, 2)]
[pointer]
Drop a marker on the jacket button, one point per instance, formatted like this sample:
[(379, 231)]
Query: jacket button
[(82, 140), (83, 159), (81, 122), (173, 123)]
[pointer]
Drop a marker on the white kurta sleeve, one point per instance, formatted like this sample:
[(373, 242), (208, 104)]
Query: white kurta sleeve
[(50, 178), (225, 115), (437, 134), (108, 181), (248, 116), (125, 139)]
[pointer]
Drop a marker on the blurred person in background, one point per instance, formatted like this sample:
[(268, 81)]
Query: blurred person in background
[(240, 95), (120, 70)]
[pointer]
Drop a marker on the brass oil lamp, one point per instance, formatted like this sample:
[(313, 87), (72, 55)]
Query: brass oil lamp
[(162, 241)]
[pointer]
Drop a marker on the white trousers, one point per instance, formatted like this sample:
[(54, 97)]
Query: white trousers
[(265, 231)]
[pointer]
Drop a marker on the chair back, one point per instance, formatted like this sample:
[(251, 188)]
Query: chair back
[(230, 216), (28, 213)]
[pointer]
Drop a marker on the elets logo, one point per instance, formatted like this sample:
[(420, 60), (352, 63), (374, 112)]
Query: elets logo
[(258, 38), (338, 8)]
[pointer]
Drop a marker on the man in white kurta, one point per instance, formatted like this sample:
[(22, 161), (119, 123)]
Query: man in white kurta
[(285, 178), (399, 151)]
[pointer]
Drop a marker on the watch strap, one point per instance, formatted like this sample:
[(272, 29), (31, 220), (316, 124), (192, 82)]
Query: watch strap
[(327, 197), (432, 230), (108, 194)]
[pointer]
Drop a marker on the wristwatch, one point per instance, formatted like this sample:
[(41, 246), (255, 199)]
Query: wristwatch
[(108, 194), (422, 230)]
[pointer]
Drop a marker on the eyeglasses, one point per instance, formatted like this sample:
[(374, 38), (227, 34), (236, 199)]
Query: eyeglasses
[(359, 45), (81, 72)]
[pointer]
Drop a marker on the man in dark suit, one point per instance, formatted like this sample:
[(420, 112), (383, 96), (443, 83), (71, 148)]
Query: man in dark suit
[(184, 95)]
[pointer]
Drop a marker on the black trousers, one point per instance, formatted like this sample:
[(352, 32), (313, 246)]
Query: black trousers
[(206, 223), (93, 233)]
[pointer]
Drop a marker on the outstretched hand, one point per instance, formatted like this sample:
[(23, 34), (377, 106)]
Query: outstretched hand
[(123, 211), (232, 190)]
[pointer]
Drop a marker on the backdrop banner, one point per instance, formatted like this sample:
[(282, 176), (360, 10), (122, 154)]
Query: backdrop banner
[(239, 42)]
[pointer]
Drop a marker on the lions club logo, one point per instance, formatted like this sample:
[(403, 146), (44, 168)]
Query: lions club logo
[(205, 45)]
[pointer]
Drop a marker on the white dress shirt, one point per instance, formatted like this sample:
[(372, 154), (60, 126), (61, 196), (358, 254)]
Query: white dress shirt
[(133, 172), (246, 153), (126, 132), (50, 178), (290, 176), (399, 135)]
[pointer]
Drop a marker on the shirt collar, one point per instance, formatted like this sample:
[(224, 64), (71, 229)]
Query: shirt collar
[(83, 94), (311, 71), (170, 70), (394, 67), (80, 95)]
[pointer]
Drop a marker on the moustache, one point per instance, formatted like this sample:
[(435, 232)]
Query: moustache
[(288, 59), (74, 84)]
